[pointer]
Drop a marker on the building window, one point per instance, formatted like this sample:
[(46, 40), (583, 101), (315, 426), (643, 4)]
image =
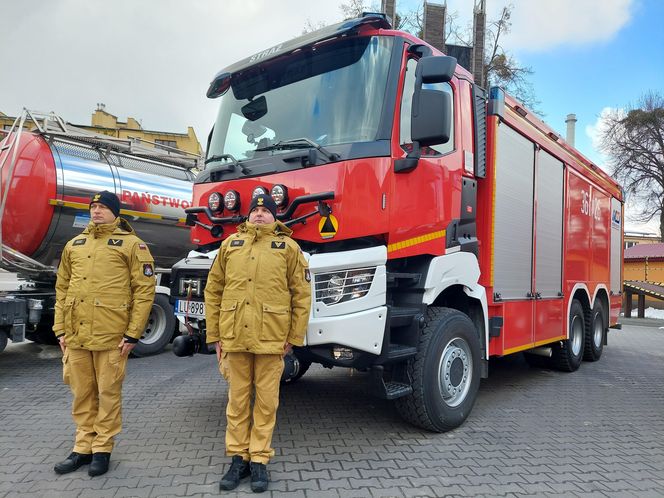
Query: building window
[(163, 144)]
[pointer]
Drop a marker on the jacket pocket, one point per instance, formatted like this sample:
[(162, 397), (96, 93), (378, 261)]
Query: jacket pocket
[(68, 315), (276, 322), (110, 315), (227, 319)]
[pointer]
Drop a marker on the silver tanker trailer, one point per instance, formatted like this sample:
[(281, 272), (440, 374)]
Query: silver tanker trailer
[(47, 177)]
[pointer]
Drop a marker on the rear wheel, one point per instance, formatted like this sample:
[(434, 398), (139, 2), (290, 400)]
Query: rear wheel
[(594, 343), (445, 372), (159, 330), (567, 355)]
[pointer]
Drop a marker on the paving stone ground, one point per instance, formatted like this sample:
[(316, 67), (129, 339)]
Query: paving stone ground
[(536, 432)]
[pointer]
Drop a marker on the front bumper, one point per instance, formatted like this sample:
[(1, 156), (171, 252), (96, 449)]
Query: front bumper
[(363, 330)]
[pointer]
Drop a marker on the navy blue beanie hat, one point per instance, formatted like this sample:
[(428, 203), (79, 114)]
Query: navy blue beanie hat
[(109, 200), (265, 201)]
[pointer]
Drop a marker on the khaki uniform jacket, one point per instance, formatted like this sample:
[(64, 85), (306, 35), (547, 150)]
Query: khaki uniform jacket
[(105, 287), (258, 294)]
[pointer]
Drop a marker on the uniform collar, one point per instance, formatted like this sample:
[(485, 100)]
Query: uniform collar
[(118, 226), (275, 228)]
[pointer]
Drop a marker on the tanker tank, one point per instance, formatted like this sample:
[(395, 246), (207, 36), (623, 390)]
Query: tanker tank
[(53, 179)]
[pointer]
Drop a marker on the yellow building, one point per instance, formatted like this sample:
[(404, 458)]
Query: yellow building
[(106, 123), (645, 262), (634, 238)]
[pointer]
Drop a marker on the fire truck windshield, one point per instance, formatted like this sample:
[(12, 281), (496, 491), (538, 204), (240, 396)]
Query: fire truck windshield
[(331, 93)]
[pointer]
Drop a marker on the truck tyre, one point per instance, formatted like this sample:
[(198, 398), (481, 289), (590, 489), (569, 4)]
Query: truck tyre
[(596, 327), (3, 340), (445, 372), (567, 354), (159, 330)]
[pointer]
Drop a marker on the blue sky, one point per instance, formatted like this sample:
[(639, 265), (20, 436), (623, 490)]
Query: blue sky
[(153, 59)]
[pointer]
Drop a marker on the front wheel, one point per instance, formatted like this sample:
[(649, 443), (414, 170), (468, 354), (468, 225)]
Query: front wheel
[(445, 372), (159, 330)]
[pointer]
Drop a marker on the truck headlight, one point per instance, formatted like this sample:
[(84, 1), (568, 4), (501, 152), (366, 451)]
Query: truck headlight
[(258, 191), (214, 202), (232, 200), (341, 286), (279, 195)]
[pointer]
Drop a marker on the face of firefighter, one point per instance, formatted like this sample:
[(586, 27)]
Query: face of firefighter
[(100, 214), (261, 216)]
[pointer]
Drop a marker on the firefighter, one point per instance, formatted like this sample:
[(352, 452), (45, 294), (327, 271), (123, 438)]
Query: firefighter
[(104, 292), (257, 301)]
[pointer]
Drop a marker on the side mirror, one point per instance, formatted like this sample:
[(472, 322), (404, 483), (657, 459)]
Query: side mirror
[(433, 122), (438, 69), (431, 110)]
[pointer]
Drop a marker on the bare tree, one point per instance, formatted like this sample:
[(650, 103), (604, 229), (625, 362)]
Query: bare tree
[(501, 68), (633, 139)]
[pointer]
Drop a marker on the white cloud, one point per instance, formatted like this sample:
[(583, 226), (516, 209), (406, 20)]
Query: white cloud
[(595, 131), (542, 25), (151, 60)]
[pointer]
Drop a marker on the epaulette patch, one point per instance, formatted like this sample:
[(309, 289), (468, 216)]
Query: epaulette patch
[(278, 245), (79, 242), (115, 242), (237, 242)]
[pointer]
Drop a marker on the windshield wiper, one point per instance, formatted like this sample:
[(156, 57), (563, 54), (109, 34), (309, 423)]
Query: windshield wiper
[(235, 164), (300, 143)]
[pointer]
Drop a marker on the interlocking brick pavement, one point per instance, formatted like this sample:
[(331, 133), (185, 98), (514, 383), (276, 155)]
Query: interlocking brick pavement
[(596, 432)]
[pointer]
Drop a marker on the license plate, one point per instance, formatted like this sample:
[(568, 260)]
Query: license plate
[(190, 308)]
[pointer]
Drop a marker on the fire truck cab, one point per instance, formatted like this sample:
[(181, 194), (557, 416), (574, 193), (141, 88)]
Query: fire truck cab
[(444, 224)]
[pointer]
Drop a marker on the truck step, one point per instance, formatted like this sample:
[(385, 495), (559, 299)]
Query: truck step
[(394, 390), (400, 352), (403, 317), (390, 389)]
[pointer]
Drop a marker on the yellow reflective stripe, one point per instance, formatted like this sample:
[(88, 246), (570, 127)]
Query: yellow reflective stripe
[(416, 240), (533, 345), (128, 212)]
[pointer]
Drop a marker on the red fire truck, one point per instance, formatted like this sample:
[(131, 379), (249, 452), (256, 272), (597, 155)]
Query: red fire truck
[(444, 224)]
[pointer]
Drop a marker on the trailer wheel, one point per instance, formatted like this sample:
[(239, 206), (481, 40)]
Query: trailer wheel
[(594, 344), (445, 372), (159, 330), (3, 340), (567, 355)]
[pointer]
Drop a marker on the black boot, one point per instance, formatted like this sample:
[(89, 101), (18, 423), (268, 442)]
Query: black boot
[(259, 479), (238, 470), (99, 464), (73, 462)]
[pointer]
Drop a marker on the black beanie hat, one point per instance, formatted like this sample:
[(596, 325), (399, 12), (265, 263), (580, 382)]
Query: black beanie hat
[(266, 201), (109, 200)]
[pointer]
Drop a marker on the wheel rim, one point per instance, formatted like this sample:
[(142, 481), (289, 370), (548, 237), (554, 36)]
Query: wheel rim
[(577, 334), (156, 325), (455, 372), (598, 330)]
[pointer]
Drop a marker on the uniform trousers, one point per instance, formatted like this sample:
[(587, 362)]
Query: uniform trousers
[(95, 378), (257, 376)]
